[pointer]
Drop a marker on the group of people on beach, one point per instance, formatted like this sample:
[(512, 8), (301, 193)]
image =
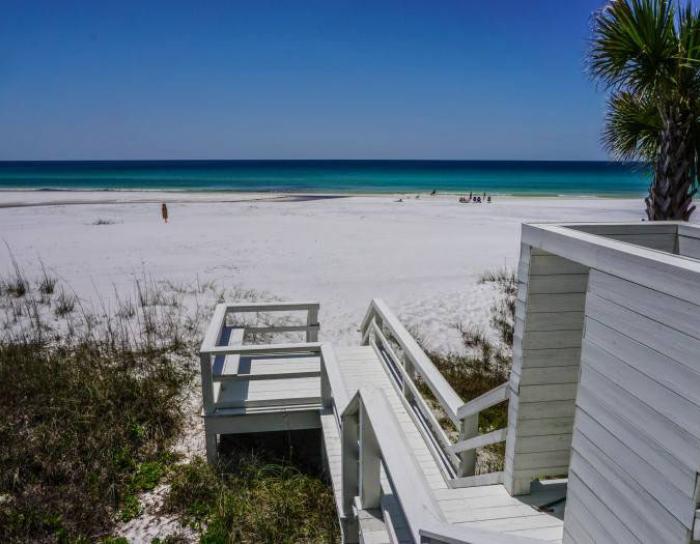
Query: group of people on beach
[(476, 199)]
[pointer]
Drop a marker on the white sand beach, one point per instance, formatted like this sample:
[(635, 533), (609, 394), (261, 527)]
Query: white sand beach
[(422, 256)]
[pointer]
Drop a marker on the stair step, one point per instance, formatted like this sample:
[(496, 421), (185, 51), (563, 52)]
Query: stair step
[(249, 393), (268, 367), (333, 447)]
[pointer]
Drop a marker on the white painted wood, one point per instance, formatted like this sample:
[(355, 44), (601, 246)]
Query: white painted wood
[(270, 307), (587, 520), (602, 411), (546, 358), (267, 367), (412, 489), (262, 419), (556, 283), (264, 349), (215, 328), (479, 441), (674, 312), (487, 400), (622, 228), (467, 535), (653, 334), (490, 478), (670, 274), (421, 414), (420, 361), (293, 390), (670, 373), (626, 499), (370, 459), (644, 420), (661, 399), (331, 371), (591, 437)]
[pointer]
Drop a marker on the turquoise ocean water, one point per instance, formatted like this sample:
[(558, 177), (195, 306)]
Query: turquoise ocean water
[(494, 177)]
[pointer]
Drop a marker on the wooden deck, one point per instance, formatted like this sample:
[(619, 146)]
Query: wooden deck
[(604, 390), (486, 507)]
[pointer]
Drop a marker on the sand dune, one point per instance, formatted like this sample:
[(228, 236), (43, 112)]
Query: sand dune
[(422, 256)]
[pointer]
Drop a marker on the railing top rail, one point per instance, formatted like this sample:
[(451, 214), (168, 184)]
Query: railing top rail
[(408, 480), (335, 378), (422, 512), (448, 534), (215, 328), (487, 400), (442, 390), (675, 275), (271, 306), (262, 349)]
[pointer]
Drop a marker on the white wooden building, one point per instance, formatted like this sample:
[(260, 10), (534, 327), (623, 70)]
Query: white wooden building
[(603, 436)]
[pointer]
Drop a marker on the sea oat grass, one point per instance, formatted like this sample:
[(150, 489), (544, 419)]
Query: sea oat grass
[(482, 365), (252, 500), (89, 409)]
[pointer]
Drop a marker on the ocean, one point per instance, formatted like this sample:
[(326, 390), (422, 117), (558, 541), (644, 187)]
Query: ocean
[(527, 178)]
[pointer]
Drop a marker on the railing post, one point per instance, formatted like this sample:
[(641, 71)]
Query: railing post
[(411, 372), (370, 461), (312, 324), (349, 463), (326, 393), (469, 428), (207, 383)]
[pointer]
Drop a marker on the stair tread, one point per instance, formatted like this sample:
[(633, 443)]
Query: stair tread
[(268, 366), (270, 392)]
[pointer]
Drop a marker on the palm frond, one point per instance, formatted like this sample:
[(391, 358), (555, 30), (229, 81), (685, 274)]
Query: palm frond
[(632, 126), (634, 44)]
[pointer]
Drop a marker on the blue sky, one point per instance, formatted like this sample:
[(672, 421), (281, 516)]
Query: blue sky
[(298, 79)]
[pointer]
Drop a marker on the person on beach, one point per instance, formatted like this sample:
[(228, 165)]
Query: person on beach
[(164, 212)]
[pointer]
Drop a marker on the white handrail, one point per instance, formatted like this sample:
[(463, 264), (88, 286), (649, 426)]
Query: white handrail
[(465, 417), (378, 427), (263, 349), (376, 431), (487, 400), (437, 383), (332, 384), (449, 534), (246, 307)]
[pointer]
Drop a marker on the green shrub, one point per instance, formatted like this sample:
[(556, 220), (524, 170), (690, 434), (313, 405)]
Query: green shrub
[(88, 411), (251, 500), (482, 365)]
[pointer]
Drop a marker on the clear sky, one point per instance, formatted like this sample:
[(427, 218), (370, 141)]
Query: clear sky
[(439, 79)]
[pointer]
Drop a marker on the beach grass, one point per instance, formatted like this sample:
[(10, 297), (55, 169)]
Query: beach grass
[(483, 364), (90, 406), (250, 498)]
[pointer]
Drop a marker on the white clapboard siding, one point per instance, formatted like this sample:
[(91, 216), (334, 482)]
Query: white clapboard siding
[(636, 439), (592, 405), (653, 334), (689, 241), (594, 518), (672, 311), (652, 478), (546, 353), (689, 247), (639, 512)]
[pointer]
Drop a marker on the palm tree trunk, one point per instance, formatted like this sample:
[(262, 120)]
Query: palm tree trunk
[(672, 189)]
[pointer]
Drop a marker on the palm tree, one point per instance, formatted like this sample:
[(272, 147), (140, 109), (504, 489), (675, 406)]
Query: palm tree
[(647, 54)]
